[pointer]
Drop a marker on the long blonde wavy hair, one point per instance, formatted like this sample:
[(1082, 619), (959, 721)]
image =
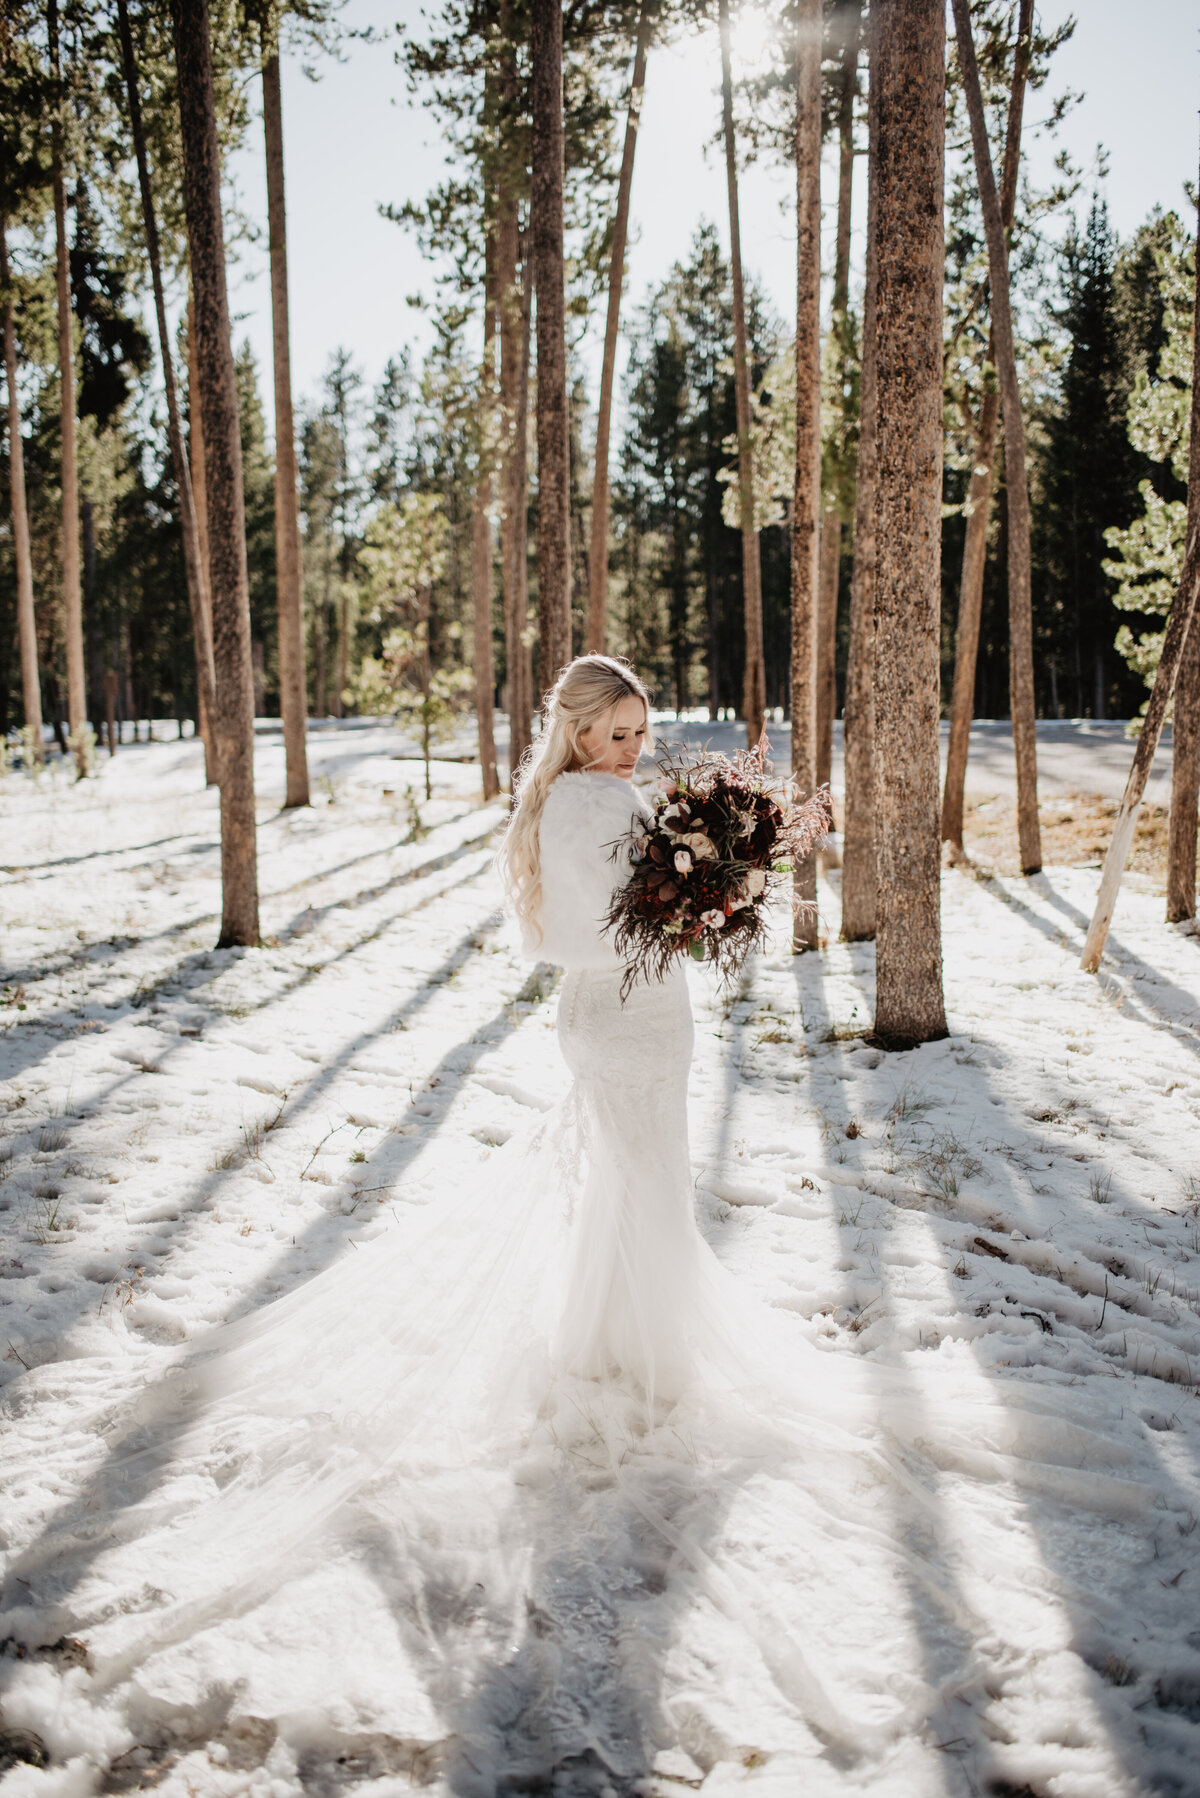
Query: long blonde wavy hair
[(587, 691)]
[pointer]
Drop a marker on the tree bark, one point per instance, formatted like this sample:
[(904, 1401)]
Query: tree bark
[(858, 712), (521, 532), (1020, 603), (1185, 779), (807, 488), (1185, 752), (754, 699), (907, 148), (289, 590), (597, 613), (514, 383), (828, 570), (233, 714), (72, 591), (970, 612), (31, 690), (979, 492), (850, 20), (553, 421), (194, 570), (481, 537), (196, 469)]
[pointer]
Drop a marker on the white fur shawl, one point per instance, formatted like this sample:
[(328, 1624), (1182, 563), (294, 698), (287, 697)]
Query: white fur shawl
[(584, 816)]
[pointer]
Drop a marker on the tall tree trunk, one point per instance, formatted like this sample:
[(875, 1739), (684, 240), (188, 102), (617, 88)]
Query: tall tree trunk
[(72, 594), (907, 151), (979, 492), (1185, 753), (553, 420), (514, 382), (31, 690), (807, 487), (829, 565), (970, 613), (481, 537), (858, 712), (849, 21), (1020, 602), (289, 590), (1185, 779), (521, 536), (513, 524), (195, 572), (196, 468), (233, 712), (343, 648), (597, 613), (754, 700)]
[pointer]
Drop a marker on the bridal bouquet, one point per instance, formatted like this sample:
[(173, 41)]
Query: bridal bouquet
[(724, 839)]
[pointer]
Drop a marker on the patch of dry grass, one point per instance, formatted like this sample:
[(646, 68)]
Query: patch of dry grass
[(1076, 830)]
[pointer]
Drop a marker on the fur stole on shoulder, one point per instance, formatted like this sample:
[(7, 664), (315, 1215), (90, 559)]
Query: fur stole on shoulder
[(585, 818)]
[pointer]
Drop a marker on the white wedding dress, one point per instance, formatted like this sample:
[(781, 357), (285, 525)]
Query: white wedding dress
[(546, 1410)]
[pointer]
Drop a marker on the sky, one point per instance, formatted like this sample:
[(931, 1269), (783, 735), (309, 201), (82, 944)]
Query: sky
[(355, 140)]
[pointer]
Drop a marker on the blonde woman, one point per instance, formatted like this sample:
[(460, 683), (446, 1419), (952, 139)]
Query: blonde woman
[(629, 1304)]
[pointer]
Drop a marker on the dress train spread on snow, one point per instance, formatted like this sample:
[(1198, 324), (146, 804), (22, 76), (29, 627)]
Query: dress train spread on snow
[(539, 1410)]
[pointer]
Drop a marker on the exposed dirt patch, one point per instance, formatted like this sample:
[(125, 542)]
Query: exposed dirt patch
[(1076, 830)]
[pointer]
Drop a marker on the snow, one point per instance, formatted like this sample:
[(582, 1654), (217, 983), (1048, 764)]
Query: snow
[(186, 1133)]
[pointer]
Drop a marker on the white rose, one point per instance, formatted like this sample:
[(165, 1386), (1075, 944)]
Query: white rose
[(702, 847), (683, 862), (714, 920)]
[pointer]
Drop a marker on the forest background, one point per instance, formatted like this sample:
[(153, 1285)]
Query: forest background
[(389, 455)]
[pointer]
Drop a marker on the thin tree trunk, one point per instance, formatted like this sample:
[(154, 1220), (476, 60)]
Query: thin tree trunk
[(197, 471), (849, 21), (1185, 779), (481, 538), (907, 151), (597, 613), (1020, 603), (858, 712), (343, 648), (31, 690), (979, 492), (289, 589), (72, 594), (193, 564), (320, 632), (970, 613), (233, 713), (553, 419), (807, 487), (754, 700), (1185, 752), (513, 401), (1182, 625), (521, 543), (828, 571)]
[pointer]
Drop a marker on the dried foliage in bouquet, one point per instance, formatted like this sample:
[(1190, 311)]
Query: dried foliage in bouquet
[(722, 844)]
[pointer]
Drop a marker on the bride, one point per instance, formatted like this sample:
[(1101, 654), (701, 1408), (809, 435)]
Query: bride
[(537, 1415)]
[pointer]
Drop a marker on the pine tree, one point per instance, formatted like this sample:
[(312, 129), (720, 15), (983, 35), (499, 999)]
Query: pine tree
[(1090, 474)]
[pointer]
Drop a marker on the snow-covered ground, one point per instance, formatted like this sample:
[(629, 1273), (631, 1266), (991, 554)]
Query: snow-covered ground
[(187, 1132)]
